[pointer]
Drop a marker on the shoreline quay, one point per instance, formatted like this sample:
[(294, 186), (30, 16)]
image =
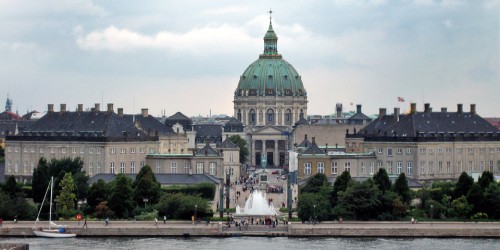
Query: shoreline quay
[(216, 229)]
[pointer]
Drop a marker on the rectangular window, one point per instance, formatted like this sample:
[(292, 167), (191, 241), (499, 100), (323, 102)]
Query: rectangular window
[(409, 168), (98, 171), (430, 151), (16, 149), (470, 150), (422, 167), (98, 151), (431, 167), (422, 151), (459, 150), (132, 167), (372, 166), (470, 167), (307, 168), (399, 165), (82, 150), (448, 167), (347, 167), (157, 167), (320, 168), (32, 167), (389, 152), (459, 167), (91, 150), (173, 168), (32, 150), (389, 167), (362, 167), (448, 150), (41, 150), (491, 167), (16, 167), (440, 167), (112, 167), (25, 167), (379, 165), (440, 150), (9, 149), (25, 149), (142, 164), (112, 151), (151, 150), (334, 167), (123, 150), (52, 151), (481, 166), (187, 166), (380, 150), (73, 150), (213, 168), (91, 168), (399, 151), (408, 151), (122, 167), (132, 150), (9, 166), (199, 167), (63, 150), (482, 150), (141, 150)]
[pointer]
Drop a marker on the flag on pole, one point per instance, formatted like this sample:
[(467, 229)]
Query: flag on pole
[(400, 99)]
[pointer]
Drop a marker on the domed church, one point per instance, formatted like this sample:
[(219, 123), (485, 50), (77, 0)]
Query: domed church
[(269, 100)]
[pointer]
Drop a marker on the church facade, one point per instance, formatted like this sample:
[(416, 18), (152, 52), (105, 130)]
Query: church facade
[(269, 100)]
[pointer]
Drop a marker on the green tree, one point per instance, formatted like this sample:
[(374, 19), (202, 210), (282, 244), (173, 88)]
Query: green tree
[(67, 197), (11, 188), (121, 196), (463, 185), (402, 189), (485, 179), (360, 200), (242, 144), (315, 183), (341, 183), (492, 200), (475, 197), (382, 180), (40, 180), (2, 152), (146, 187), (460, 208), (313, 204), (399, 208), (98, 192), (182, 206)]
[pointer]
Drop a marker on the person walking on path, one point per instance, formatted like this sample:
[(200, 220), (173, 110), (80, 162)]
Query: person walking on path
[(85, 223), (1, 222), (107, 221), (164, 219), (156, 221)]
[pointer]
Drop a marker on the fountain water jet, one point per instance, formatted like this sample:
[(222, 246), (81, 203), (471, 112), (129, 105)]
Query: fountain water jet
[(257, 204)]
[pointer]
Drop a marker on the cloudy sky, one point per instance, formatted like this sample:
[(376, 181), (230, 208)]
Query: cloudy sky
[(188, 55)]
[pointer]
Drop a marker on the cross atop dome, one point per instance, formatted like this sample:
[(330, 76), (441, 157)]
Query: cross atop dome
[(270, 15)]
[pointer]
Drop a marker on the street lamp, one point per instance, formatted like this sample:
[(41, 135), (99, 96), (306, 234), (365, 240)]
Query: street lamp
[(432, 212), (196, 212), (145, 200), (314, 219)]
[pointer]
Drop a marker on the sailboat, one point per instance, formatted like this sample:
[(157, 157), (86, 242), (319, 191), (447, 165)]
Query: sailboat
[(53, 230)]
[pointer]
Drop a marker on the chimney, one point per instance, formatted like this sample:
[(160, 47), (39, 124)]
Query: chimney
[(381, 112), (413, 108), (80, 108), (473, 109), (144, 112), (97, 107), (110, 107), (396, 114), (50, 108), (63, 107), (427, 107), (460, 108), (444, 110), (358, 108), (120, 111)]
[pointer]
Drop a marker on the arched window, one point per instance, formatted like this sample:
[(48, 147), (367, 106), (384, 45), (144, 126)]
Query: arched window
[(239, 115), (252, 117), (320, 168), (270, 117), (307, 168), (288, 117)]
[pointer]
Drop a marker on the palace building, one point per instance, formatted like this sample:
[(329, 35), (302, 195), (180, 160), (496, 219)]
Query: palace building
[(269, 100)]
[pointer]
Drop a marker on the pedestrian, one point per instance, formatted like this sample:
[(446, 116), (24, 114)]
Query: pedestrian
[(1, 222), (164, 219), (85, 223), (107, 221), (156, 221), (15, 218)]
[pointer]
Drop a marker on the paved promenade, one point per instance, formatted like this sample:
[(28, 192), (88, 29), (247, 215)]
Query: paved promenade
[(184, 228)]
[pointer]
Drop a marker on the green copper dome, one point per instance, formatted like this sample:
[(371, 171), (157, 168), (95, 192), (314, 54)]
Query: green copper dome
[(270, 75)]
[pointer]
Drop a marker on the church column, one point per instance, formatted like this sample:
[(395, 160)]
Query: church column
[(276, 154), (293, 116)]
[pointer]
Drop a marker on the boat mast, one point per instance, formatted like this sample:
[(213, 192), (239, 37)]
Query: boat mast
[(51, 190)]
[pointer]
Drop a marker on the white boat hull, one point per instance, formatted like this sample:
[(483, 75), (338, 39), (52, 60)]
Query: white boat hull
[(53, 234)]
